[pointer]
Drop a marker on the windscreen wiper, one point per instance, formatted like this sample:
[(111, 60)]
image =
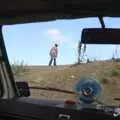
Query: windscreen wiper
[(117, 99), (52, 89)]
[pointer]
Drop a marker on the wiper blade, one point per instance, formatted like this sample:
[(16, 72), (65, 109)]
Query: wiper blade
[(52, 89), (117, 99)]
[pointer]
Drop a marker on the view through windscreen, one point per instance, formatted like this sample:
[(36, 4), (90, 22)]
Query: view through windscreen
[(46, 56)]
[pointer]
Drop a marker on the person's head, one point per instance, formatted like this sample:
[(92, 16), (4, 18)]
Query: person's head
[(56, 45)]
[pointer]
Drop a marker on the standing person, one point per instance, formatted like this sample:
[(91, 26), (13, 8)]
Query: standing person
[(53, 55)]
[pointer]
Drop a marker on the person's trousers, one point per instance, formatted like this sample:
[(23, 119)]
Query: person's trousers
[(52, 60)]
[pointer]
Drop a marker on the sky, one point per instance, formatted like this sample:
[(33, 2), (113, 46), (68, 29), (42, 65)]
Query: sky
[(32, 42)]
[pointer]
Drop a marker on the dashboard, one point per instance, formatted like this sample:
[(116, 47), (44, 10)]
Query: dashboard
[(32, 109)]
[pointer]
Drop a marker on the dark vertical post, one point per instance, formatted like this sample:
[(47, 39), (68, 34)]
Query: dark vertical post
[(4, 57), (102, 22)]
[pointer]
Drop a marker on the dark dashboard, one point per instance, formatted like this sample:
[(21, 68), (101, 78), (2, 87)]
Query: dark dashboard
[(32, 109)]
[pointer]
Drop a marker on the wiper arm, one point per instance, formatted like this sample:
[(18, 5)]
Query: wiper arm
[(52, 89), (117, 99)]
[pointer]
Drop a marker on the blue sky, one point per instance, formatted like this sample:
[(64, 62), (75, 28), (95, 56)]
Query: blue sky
[(31, 42)]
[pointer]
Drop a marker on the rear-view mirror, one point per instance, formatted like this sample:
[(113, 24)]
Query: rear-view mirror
[(23, 89), (100, 36)]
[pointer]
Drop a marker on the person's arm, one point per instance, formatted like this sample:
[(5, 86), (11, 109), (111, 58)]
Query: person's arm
[(51, 51), (56, 52)]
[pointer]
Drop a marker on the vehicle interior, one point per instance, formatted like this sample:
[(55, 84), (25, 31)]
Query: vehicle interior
[(73, 93)]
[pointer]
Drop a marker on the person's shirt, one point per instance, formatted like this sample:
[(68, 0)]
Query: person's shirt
[(54, 52)]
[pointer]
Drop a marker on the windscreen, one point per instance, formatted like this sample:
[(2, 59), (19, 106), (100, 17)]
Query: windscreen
[(47, 55)]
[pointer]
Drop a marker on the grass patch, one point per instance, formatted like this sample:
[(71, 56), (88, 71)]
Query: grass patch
[(104, 80), (18, 68), (114, 72)]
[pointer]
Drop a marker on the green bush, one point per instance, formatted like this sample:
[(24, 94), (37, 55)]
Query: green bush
[(89, 61), (114, 72), (18, 68), (104, 80)]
